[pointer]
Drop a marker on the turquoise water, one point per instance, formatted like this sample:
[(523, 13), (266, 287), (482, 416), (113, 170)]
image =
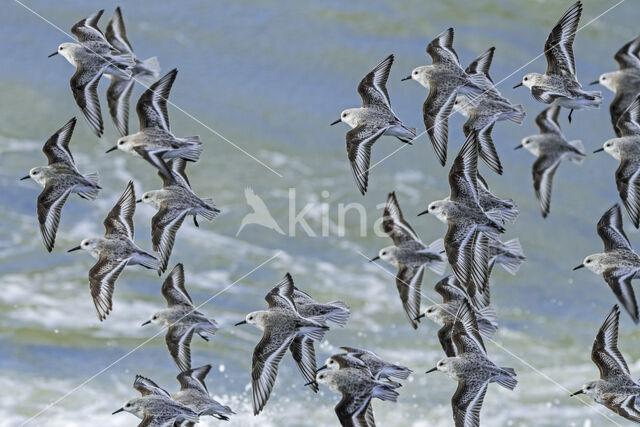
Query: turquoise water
[(270, 76)]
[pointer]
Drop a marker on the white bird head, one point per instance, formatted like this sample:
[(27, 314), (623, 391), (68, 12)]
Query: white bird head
[(133, 406), (592, 262), (530, 79), (433, 312), (421, 75), (438, 209), (90, 245), (532, 144), (38, 174), (350, 116), (590, 389), (388, 254), (445, 365), (462, 105), (609, 80), (151, 198), (256, 318), (160, 318)]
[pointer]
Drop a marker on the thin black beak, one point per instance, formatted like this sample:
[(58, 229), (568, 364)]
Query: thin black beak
[(420, 317), (374, 258), (115, 147), (119, 410), (74, 249), (423, 212), (146, 323), (518, 85), (578, 267), (576, 393), (431, 370), (244, 322), (594, 83), (519, 147), (53, 54), (321, 368), (406, 78), (139, 201), (598, 150), (310, 382), (336, 122), (25, 177)]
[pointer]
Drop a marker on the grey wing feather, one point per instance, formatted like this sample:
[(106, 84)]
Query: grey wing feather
[(119, 221), (152, 106)]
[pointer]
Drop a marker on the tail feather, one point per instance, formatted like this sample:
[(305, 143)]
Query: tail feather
[(384, 391), (507, 381), (339, 316), (577, 157), (193, 150), (152, 67), (150, 261), (91, 193), (518, 115), (210, 213), (516, 256), (93, 177), (315, 332), (487, 321), (396, 371)]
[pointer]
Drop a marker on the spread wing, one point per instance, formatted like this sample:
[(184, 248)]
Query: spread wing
[(610, 230), (57, 146), (359, 142), (173, 289), (450, 289), (50, 203), (482, 63), (605, 353), (102, 279), (352, 409), (441, 49), (281, 296), (547, 120), (194, 379), (463, 174), (558, 48), (620, 284), (467, 402), (118, 95), (629, 55), (178, 339), (629, 122), (394, 224), (628, 183), (372, 88), (466, 336), (304, 354), (84, 85), (116, 33), (119, 222), (164, 226), (435, 112), (542, 171), (148, 387), (409, 282), (87, 29), (152, 105), (266, 357)]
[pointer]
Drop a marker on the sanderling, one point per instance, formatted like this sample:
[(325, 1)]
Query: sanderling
[(625, 82), (470, 228), (559, 84), (154, 142), (59, 179), (410, 255), (445, 79), (615, 389), (626, 148), (380, 368), (618, 264), (453, 294), (92, 56), (507, 254), (156, 407), (114, 252), (374, 119), (550, 147), (357, 389), (488, 109), (174, 202), (281, 325), (181, 319), (194, 394), (120, 88), (472, 369)]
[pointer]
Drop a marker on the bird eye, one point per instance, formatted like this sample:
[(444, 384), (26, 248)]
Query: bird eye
[(120, 142), (127, 405), (61, 48), (344, 114), (526, 78), (604, 78), (415, 73), (587, 261)]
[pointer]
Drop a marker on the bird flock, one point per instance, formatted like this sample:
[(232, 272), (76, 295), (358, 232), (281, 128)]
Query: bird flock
[(294, 320)]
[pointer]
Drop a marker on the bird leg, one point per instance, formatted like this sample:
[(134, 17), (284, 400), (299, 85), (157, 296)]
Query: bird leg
[(570, 113), (195, 221)]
